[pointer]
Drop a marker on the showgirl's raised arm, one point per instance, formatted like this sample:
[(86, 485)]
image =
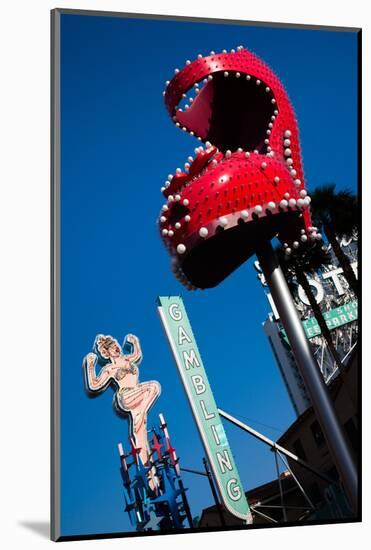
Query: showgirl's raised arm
[(136, 355), (93, 381)]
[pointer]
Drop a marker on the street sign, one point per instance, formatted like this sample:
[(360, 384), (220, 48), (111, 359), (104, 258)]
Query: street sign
[(334, 318), (193, 376)]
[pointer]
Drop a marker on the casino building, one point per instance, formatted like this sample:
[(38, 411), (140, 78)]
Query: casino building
[(339, 307)]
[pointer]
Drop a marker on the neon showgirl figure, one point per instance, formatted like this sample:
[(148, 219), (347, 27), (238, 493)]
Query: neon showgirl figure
[(121, 370)]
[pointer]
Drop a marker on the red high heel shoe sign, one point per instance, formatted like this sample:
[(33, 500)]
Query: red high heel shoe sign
[(247, 185)]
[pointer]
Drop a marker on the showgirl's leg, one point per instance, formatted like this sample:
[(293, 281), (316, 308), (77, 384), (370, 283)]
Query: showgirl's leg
[(147, 393)]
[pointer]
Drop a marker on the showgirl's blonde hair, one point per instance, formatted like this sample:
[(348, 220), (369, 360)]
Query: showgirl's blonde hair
[(103, 343)]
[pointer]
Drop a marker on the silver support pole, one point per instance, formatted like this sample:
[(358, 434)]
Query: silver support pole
[(273, 445), (263, 515), (308, 367), (284, 515), (286, 463)]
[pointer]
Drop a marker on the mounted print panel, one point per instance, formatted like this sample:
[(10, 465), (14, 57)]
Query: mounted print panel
[(205, 275)]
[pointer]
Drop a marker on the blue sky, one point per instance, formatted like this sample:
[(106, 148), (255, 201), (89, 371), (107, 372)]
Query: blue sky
[(118, 145)]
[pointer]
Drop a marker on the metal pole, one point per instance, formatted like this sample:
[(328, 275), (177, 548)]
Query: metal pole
[(280, 487), (321, 401), (213, 490), (273, 445), (263, 515), (186, 504), (286, 463), (191, 471)]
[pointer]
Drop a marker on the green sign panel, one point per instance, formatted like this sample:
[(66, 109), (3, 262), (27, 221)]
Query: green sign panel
[(193, 376), (334, 318)]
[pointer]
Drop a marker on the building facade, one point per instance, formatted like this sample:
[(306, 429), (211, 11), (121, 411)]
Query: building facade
[(339, 307)]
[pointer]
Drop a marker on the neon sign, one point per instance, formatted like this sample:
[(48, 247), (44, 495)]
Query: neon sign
[(193, 376), (121, 370)]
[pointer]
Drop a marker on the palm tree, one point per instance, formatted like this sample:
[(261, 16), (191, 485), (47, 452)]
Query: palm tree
[(335, 214), (309, 259)]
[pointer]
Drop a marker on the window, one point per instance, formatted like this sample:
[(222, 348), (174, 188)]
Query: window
[(299, 449), (317, 434)]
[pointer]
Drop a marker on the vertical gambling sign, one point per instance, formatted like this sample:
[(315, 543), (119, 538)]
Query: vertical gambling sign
[(193, 376)]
